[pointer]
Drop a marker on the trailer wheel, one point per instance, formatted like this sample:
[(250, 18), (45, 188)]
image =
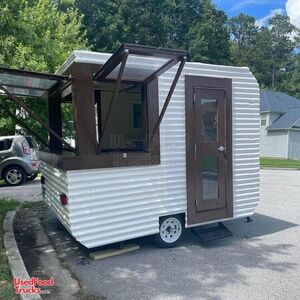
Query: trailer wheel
[(170, 231)]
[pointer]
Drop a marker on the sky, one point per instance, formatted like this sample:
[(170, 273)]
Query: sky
[(262, 10)]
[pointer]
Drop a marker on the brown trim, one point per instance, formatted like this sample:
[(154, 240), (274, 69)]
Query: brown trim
[(153, 113), (225, 84), (116, 159), (105, 160), (83, 103), (55, 123), (153, 51), (113, 100)]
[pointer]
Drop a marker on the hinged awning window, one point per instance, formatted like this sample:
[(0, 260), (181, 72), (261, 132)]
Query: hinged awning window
[(20, 83), (139, 64), (27, 83), (143, 63)]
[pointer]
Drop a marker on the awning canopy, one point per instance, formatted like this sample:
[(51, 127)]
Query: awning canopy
[(28, 83), (143, 63)]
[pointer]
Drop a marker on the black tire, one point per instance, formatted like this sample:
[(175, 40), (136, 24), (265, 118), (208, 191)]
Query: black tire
[(32, 177), (171, 230), (20, 175)]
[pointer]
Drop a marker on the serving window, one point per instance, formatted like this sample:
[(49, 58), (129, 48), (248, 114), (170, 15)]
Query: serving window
[(113, 107), (127, 104), (127, 129)]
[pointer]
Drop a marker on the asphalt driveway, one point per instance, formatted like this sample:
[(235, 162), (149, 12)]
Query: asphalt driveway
[(28, 191), (260, 261)]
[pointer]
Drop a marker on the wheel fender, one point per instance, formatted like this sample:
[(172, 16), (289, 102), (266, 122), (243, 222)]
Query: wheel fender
[(14, 161)]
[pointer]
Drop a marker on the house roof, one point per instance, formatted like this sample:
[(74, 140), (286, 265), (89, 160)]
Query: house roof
[(287, 120), (287, 106), (272, 101)]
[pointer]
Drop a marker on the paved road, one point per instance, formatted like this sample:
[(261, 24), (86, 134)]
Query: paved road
[(260, 261), (25, 192)]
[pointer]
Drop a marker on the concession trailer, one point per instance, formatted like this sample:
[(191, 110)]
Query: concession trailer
[(160, 144)]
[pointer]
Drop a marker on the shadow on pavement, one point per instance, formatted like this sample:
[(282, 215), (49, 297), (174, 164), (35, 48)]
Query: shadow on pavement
[(190, 271)]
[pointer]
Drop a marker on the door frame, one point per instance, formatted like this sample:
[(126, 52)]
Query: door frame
[(224, 84)]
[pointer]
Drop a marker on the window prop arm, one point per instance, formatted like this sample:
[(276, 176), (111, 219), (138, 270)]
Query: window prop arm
[(113, 98), (167, 101)]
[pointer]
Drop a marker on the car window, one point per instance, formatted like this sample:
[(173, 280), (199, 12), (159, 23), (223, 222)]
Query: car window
[(31, 142), (5, 144)]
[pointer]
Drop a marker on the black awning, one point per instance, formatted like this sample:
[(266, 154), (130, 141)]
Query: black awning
[(143, 63), (28, 83)]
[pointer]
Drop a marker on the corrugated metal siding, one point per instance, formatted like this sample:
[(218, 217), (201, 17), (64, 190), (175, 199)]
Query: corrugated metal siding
[(245, 111), (56, 183), (110, 205)]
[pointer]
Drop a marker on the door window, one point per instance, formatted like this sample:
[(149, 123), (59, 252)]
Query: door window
[(210, 184), (209, 119)]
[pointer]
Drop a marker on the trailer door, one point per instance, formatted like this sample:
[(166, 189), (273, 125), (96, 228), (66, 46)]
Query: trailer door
[(209, 175)]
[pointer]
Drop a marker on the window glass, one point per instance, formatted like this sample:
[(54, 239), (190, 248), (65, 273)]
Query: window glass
[(263, 120), (127, 126), (135, 69), (5, 144), (209, 119), (137, 112), (210, 184), (31, 142)]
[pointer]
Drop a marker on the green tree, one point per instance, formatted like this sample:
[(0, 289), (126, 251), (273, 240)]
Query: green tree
[(194, 25), (282, 45), (259, 60), (243, 33), (209, 37), (291, 84), (36, 35)]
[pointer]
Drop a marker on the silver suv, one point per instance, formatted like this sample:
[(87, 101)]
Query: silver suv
[(18, 159)]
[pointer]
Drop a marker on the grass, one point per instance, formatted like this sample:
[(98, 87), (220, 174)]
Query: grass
[(279, 163), (6, 287)]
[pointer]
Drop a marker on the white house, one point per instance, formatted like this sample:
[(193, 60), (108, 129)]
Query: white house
[(279, 125)]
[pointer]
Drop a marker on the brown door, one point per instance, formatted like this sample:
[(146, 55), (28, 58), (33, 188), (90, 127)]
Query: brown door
[(208, 149)]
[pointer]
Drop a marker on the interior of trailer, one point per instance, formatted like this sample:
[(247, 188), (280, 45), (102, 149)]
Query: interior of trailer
[(115, 107)]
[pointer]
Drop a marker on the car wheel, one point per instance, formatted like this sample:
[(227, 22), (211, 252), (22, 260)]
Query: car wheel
[(14, 175), (170, 231), (32, 177)]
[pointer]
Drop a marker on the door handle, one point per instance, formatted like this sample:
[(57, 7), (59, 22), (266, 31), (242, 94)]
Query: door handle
[(222, 148)]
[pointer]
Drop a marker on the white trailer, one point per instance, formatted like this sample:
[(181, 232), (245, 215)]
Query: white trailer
[(161, 145)]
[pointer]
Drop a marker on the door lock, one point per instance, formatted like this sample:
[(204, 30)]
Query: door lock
[(222, 148)]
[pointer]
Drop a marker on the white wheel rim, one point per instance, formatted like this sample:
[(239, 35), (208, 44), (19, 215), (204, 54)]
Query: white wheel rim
[(170, 230), (14, 176)]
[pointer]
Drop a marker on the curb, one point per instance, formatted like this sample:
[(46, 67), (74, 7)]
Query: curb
[(15, 259)]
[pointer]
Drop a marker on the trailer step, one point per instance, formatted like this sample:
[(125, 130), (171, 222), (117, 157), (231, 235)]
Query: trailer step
[(105, 253), (212, 232)]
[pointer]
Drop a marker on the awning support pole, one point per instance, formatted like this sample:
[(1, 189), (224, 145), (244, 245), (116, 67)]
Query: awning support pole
[(113, 98), (33, 115), (167, 101)]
